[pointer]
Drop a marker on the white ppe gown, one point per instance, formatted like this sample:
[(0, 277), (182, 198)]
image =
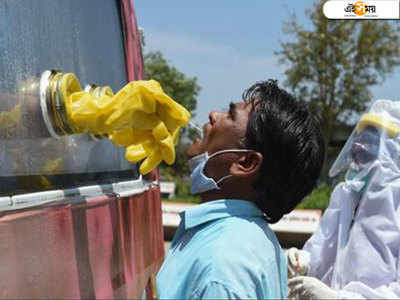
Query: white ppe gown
[(357, 252)]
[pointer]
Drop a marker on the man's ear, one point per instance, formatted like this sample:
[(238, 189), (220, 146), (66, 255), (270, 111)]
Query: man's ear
[(247, 165)]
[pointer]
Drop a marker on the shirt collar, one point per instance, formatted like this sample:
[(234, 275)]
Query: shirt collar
[(218, 209)]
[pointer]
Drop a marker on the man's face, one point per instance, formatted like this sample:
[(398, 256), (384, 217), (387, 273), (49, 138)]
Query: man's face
[(224, 130), (365, 147)]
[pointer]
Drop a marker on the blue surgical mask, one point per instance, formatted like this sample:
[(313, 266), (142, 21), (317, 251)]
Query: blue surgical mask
[(200, 182)]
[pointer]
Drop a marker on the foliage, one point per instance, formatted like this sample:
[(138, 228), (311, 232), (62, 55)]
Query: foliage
[(318, 199), (333, 65), (182, 89), (184, 199), (177, 85)]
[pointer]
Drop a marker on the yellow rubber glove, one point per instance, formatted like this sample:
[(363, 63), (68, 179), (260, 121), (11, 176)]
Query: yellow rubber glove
[(155, 145), (140, 117), (139, 104)]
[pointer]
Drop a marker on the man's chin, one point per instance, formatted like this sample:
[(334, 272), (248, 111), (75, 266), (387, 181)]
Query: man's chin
[(195, 148)]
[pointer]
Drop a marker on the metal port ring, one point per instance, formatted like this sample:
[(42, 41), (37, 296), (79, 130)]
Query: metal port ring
[(60, 108), (45, 96)]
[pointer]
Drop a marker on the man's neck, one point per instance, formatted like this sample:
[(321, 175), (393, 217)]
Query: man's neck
[(220, 194)]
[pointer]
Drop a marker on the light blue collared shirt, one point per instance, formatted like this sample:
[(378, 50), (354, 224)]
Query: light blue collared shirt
[(223, 249)]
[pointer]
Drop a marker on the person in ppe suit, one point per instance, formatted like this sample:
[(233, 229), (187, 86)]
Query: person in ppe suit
[(355, 252)]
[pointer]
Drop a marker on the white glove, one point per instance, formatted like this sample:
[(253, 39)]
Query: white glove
[(298, 262), (305, 287)]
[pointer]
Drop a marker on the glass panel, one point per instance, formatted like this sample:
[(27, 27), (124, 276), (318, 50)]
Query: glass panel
[(79, 36)]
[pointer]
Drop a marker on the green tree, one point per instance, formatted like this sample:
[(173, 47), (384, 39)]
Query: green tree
[(333, 65), (182, 89)]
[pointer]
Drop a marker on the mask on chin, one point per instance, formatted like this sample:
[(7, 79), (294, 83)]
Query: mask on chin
[(200, 182)]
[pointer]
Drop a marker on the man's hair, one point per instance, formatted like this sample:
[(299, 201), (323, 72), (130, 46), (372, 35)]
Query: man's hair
[(288, 136)]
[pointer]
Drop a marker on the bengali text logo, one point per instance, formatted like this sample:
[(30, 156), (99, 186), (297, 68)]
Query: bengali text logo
[(360, 8)]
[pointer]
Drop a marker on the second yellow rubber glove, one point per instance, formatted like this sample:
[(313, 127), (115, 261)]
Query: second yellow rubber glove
[(154, 145)]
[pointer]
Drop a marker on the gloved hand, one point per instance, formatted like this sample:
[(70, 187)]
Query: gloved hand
[(155, 145), (140, 117), (139, 104), (305, 287), (298, 262)]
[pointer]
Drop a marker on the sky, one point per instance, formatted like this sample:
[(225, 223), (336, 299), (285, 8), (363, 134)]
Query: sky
[(227, 45)]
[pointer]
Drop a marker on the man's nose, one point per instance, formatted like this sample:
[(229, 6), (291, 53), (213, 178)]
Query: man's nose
[(213, 117)]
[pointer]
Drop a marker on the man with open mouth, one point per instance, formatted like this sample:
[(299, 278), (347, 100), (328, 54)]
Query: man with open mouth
[(255, 163)]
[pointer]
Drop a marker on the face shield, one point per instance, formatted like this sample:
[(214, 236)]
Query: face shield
[(373, 140)]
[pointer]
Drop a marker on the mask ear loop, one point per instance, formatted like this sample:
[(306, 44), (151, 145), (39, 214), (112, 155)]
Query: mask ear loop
[(227, 151), (223, 178)]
